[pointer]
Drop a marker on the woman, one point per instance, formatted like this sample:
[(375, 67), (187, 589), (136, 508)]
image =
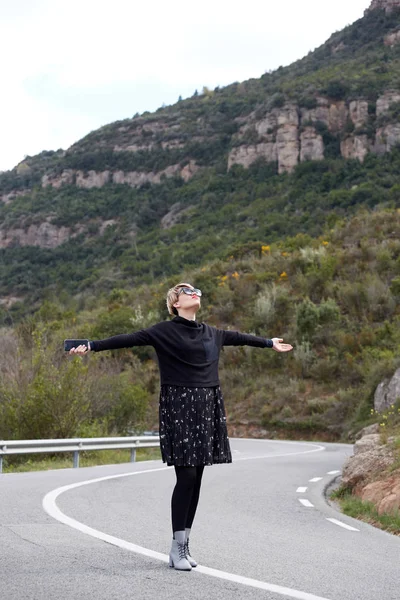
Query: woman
[(193, 430)]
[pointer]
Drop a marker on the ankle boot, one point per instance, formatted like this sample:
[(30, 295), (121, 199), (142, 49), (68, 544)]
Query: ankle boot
[(191, 560), (177, 556)]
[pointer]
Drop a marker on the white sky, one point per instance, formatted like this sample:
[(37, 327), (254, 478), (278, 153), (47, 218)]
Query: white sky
[(69, 67)]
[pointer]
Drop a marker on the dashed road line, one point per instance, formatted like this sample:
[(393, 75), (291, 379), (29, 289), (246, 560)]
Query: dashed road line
[(333, 472), (306, 502), (336, 522), (301, 490), (315, 479)]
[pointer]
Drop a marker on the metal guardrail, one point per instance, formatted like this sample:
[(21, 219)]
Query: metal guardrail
[(76, 445)]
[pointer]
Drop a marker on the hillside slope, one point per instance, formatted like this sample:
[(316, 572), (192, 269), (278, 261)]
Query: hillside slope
[(252, 162)]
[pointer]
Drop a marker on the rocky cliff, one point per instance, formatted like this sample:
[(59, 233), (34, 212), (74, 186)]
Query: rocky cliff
[(287, 135), (291, 134), (340, 101), (367, 473), (387, 5)]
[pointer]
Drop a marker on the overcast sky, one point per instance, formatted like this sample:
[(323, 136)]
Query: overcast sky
[(69, 67)]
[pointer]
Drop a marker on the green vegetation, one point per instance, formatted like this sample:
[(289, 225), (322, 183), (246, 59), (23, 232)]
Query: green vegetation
[(313, 257), (334, 297), (366, 511), (228, 212)]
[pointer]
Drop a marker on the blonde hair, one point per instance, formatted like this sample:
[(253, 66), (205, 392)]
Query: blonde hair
[(172, 297)]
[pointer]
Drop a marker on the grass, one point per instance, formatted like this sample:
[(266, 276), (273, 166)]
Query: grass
[(366, 511), (86, 459)]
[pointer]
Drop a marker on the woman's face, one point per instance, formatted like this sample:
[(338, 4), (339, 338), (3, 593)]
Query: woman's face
[(188, 301)]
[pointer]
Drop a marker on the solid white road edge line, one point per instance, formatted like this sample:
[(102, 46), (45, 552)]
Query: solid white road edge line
[(50, 506), (336, 522), (306, 502)]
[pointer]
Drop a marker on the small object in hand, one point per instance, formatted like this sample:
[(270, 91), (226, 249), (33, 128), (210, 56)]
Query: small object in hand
[(69, 344)]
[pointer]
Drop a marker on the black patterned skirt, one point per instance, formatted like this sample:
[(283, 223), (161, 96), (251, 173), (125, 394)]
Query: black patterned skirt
[(193, 426)]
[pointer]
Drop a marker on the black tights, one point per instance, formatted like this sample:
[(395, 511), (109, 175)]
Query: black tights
[(185, 496)]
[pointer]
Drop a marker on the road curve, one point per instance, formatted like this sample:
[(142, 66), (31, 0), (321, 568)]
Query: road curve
[(263, 530)]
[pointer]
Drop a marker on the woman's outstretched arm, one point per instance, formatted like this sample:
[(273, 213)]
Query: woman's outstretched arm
[(128, 340), (235, 338)]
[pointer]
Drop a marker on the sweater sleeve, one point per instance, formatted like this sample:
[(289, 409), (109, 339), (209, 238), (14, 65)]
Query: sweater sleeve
[(139, 338), (235, 338)]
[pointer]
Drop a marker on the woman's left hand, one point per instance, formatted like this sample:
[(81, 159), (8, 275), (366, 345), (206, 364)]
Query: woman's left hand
[(279, 347)]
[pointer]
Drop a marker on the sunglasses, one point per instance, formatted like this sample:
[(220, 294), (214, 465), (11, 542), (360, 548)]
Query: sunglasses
[(189, 291)]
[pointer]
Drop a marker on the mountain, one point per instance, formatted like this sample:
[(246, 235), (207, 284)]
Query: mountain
[(250, 163)]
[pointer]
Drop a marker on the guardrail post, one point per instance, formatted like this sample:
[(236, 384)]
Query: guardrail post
[(1, 463), (133, 454), (76, 459)]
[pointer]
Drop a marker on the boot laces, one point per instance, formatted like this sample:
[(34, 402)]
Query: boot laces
[(187, 548), (182, 550)]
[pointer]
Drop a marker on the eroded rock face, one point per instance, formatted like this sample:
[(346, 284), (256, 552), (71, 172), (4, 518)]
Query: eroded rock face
[(385, 494), (92, 179), (246, 155), (391, 39), (359, 112), (383, 103), (387, 392), (311, 145), (387, 137), (10, 196), (44, 235), (97, 179), (320, 113), (369, 460), (67, 177), (287, 134), (366, 443), (174, 215), (338, 115), (287, 147), (355, 146), (387, 5)]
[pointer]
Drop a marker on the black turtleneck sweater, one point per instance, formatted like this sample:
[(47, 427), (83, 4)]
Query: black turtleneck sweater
[(187, 351)]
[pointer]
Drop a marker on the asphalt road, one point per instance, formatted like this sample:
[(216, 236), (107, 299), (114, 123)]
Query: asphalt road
[(262, 532)]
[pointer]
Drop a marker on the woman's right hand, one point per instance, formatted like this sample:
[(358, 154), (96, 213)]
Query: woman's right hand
[(80, 350)]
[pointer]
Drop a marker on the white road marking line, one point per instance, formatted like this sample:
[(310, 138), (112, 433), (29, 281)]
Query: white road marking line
[(301, 490), (333, 472), (306, 502), (315, 479), (50, 506), (316, 449), (342, 524)]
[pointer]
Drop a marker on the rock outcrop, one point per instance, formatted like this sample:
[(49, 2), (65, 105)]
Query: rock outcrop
[(289, 135), (384, 494), (98, 179), (387, 5), (43, 235), (355, 146), (364, 472), (10, 196), (383, 103), (387, 392), (311, 145), (391, 39), (174, 215), (370, 459), (46, 234), (286, 135)]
